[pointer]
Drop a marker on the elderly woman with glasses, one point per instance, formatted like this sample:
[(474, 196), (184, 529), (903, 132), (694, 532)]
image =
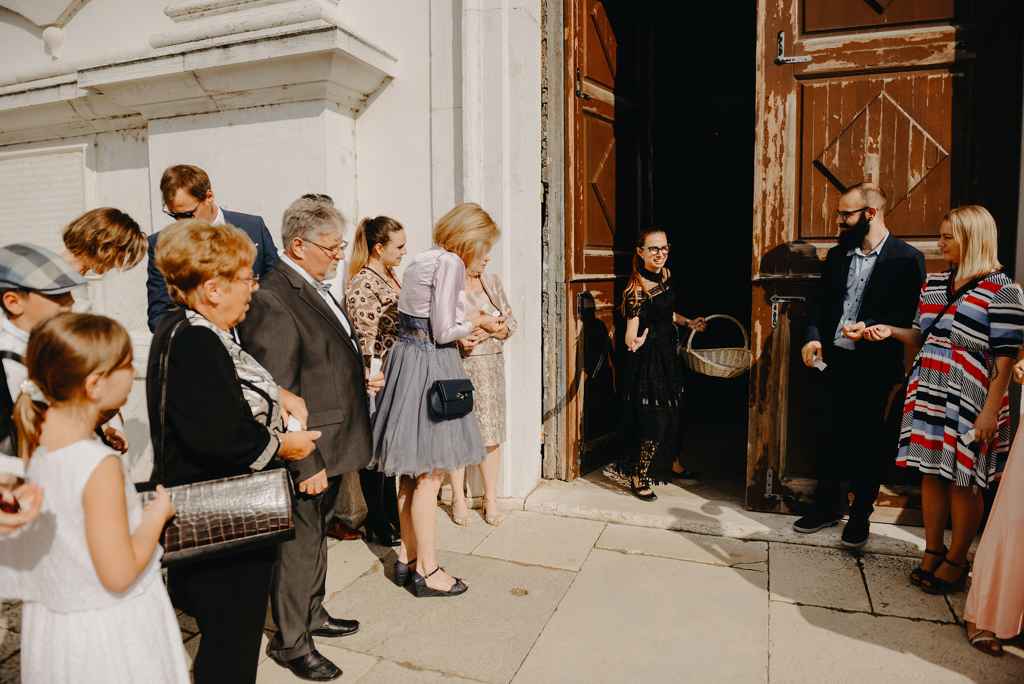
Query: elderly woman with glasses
[(216, 413)]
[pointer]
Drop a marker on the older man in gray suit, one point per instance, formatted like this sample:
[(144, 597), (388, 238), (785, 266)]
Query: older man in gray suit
[(300, 333)]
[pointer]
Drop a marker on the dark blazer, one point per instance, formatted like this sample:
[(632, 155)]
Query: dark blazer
[(159, 302), (890, 297), (292, 332), (210, 429)]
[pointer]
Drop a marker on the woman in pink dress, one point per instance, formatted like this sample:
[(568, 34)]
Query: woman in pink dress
[(995, 604)]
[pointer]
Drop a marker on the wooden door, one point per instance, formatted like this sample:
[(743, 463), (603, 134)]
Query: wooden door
[(603, 177), (846, 92)]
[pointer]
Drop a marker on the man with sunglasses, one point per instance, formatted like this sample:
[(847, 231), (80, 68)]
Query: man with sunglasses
[(870, 277), (187, 194)]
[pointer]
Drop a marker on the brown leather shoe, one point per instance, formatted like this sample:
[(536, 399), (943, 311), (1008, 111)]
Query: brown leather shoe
[(342, 532)]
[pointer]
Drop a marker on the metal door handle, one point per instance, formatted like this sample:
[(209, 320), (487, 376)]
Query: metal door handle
[(579, 87), (777, 301), (781, 57)]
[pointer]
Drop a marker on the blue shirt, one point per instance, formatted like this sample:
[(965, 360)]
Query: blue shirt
[(861, 268)]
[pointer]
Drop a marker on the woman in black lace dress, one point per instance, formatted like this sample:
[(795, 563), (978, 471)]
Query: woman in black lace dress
[(652, 384)]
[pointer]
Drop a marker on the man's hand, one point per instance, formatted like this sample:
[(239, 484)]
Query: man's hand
[(811, 353), (877, 333), (854, 331), (374, 383), (293, 405), (314, 485)]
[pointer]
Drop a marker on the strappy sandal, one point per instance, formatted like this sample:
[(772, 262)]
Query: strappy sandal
[(986, 642), (642, 489), (420, 588), (495, 519), (934, 584), (403, 570), (460, 520), (919, 573)]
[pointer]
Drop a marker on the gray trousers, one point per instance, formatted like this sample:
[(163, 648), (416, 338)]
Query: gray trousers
[(300, 576)]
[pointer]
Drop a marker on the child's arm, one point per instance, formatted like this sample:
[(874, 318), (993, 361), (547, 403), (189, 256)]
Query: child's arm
[(118, 556)]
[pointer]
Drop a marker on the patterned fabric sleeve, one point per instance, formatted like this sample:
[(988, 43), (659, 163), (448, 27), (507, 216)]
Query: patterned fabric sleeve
[(1006, 320), (633, 305), (365, 309)]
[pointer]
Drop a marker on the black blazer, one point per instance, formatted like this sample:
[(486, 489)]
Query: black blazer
[(292, 332), (210, 429), (890, 297), (159, 302)]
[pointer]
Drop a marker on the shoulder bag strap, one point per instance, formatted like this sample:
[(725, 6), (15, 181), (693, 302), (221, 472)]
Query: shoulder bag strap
[(953, 299), (158, 454)]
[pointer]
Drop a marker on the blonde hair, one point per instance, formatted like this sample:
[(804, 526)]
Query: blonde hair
[(190, 252), (635, 288), (106, 239), (975, 229), (62, 352), (466, 230), (370, 233)]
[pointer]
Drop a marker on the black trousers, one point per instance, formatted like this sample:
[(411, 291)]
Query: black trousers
[(228, 598), (381, 501), (854, 444)]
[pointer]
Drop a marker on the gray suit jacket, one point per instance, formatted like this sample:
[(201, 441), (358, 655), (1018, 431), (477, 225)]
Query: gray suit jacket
[(295, 335)]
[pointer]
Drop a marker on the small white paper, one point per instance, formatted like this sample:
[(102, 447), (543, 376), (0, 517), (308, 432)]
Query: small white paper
[(375, 365), (820, 365), (293, 424), (968, 437)]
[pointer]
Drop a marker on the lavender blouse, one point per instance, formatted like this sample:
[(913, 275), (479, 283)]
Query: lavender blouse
[(431, 287)]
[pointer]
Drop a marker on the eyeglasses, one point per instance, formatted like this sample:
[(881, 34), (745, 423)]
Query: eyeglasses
[(847, 214), (253, 280), (179, 215), (333, 252), (658, 250)]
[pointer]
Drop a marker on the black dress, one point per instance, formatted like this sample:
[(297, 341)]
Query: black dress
[(652, 386)]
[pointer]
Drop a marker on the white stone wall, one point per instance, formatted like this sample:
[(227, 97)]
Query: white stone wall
[(402, 108)]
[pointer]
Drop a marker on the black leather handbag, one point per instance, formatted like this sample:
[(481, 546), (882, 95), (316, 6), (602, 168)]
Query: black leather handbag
[(450, 399), (216, 516)]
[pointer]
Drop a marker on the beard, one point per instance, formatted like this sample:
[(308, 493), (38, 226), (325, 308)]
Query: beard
[(853, 236)]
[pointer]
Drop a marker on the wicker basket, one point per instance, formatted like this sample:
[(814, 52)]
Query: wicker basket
[(723, 362)]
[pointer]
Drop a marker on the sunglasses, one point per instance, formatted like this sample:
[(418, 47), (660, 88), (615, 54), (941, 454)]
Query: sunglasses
[(179, 215)]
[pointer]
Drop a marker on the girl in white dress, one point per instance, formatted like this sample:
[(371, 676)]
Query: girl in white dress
[(88, 567)]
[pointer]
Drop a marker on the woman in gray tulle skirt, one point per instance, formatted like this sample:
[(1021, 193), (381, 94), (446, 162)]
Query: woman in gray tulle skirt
[(408, 441)]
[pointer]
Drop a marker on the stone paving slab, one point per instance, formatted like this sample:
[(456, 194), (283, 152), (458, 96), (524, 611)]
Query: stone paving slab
[(807, 642), (543, 540), (697, 548), (10, 628), (815, 576), (452, 537), (645, 619), (484, 634), (348, 561), (387, 672), (892, 593), (702, 509)]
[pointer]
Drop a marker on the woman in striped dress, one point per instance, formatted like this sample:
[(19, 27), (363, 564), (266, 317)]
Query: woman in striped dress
[(956, 419)]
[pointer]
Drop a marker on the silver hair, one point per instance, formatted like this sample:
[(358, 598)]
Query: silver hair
[(308, 218)]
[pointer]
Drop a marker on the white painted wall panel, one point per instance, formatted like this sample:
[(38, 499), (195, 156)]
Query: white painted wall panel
[(39, 192)]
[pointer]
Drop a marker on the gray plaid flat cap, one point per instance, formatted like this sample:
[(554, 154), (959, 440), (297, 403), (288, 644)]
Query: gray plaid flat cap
[(31, 267)]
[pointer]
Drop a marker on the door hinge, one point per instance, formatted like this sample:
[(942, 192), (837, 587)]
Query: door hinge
[(777, 301), (781, 58), (769, 491)]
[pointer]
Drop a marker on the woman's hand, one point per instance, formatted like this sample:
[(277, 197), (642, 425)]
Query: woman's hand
[(487, 322), (854, 331), (637, 342), (985, 426), (374, 383), (296, 446), (293, 405), (115, 439), (28, 497), (875, 333), (697, 324), (160, 507)]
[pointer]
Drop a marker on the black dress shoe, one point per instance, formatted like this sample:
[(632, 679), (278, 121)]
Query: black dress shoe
[(336, 627), (312, 667), (385, 537), (855, 534), (814, 521)]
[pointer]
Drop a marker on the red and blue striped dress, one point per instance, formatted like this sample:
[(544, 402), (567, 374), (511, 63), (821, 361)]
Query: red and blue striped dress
[(948, 388)]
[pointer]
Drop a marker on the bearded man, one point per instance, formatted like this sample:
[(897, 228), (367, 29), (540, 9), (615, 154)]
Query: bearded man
[(869, 277)]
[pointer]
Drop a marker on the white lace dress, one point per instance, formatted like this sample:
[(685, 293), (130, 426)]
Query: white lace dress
[(73, 629)]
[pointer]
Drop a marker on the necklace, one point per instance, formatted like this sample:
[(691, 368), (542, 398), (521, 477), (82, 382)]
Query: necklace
[(389, 278)]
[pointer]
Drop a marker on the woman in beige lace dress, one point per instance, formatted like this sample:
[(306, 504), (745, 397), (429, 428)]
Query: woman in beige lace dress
[(485, 365)]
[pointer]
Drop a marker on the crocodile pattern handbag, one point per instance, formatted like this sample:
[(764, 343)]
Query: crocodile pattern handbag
[(221, 515)]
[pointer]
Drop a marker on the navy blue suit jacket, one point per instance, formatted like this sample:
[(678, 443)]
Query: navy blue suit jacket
[(159, 302)]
